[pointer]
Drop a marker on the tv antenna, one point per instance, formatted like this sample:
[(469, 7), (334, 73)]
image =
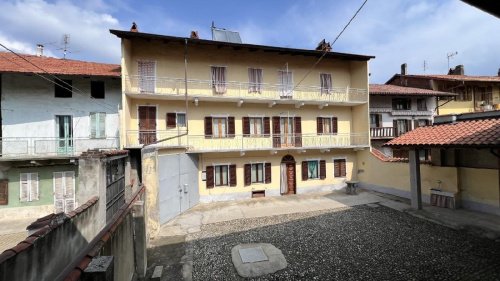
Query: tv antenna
[(425, 65), (450, 56), (65, 47)]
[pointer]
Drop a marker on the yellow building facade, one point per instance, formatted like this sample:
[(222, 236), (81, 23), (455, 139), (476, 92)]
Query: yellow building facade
[(260, 120)]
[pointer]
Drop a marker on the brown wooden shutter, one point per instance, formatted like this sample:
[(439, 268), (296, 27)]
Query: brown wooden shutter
[(248, 174), (267, 126), (408, 125), (415, 124), (4, 192), (343, 168), (276, 131), (268, 172), (335, 125), (395, 126), (230, 127), (319, 125), (171, 120), (336, 168), (210, 176), (322, 169), (246, 126), (304, 170), (232, 175), (298, 131), (208, 127)]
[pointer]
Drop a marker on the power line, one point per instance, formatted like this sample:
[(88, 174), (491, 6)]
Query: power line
[(326, 50)]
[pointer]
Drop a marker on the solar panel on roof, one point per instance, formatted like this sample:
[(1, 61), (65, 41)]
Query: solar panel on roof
[(226, 36)]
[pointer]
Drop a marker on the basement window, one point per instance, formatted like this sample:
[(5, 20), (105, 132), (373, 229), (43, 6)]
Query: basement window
[(63, 88)]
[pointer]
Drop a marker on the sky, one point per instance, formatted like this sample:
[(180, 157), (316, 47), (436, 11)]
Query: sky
[(394, 31)]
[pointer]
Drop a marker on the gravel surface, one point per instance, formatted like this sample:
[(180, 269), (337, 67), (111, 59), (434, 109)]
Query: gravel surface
[(360, 243)]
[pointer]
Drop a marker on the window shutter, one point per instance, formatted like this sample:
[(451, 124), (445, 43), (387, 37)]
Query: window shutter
[(319, 125), (208, 128), (248, 175), (4, 192), (322, 169), (335, 125), (93, 128), (343, 168), (210, 176), (298, 131), (276, 131), (58, 192), (415, 124), (33, 185), (246, 126), (171, 120), (408, 125), (230, 125), (69, 191), (267, 126), (268, 172), (336, 168), (102, 125), (304, 170), (23, 192), (232, 175), (395, 126)]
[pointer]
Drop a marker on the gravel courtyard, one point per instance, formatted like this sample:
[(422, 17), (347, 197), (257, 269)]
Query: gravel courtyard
[(359, 243)]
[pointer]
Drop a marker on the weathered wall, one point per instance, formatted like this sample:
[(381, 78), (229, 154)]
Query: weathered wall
[(480, 189), (92, 181), (150, 180)]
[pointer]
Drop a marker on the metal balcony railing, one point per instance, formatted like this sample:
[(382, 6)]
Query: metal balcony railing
[(242, 90), (382, 133), (203, 143), (19, 147)]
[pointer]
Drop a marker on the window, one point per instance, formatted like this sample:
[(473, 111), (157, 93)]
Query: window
[(219, 79), (64, 191), (221, 175), (256, 126), (313, 169), (326, 83), (97, 125), (401, 126), (285, 81), (176, 119), (339, 168), (63, 88), (4, 192), (147, 76), (483, 95), (375, 121), (421, 104), (326, 125), (464, 93), (421, 123), (401, 104), (257, 174), (28, 187), (219, 125), (97, 89), (254, 80)]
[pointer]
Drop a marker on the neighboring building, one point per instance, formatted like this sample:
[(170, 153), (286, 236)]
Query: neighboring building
[(395, 110), (243, 128), (466, 151), (474, 93), (51, 111)]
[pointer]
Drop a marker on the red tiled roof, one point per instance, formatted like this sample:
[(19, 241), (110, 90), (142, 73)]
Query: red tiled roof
[(393, 90), (12, 63), (473, 133), (452, 77), (382, 157)]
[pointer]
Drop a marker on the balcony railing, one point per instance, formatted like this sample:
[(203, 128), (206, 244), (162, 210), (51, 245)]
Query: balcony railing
[(201, 143), (382, 133), (166, 86), (401, 112), (20, 147)]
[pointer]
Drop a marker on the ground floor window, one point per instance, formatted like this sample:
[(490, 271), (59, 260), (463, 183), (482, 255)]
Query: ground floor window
[(221, 175), (339, 168), (257, 175), (313, 169), (28, 187)]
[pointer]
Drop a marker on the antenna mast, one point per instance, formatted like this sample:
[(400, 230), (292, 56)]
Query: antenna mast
[(65, 44), (451, 55)]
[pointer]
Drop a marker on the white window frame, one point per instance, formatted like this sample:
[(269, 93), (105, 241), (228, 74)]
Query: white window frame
[(30, 197), (228, 174), (98, 119), (263, 172), (325, 90), (333, 162)]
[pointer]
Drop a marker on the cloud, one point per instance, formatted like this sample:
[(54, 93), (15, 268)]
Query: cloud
[(28, 22)]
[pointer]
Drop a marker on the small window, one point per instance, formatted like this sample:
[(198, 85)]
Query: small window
[(326, 125), (326, 83), (256, 126), (28, 187), (221, 175), (63, 88), (219, 79), (312, 169), (257, 175), (97, 125), (254, 80), (375, 120), (339, 168), (181, 119), (401, 104), (97, 89), (421, 105)]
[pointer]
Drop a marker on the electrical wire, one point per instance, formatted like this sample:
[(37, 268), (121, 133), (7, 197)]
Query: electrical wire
[(326, 51)]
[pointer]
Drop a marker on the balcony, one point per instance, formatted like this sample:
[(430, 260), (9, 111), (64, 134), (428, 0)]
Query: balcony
[(201, 143), (236, 91), (382, 133), (32, 147)]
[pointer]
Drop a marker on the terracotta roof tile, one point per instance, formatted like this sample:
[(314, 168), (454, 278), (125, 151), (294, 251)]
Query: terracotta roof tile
[(483, 132), (12, 63), (393, 90), (470, 78)]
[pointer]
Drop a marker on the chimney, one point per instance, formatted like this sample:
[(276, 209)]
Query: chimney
[(194, 35), (39, 50), (458, 70), (324, 46), (404, 69), (498, 72), (134, 27)]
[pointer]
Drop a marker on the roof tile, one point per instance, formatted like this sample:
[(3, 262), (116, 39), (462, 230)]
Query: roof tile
[(392, 90)]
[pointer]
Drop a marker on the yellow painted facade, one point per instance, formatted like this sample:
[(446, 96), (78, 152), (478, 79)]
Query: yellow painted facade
[(458, 107)]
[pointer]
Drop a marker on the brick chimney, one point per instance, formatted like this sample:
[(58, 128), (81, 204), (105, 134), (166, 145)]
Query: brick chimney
[(324, 46), (134, 28), (498, 72), (194, 35), (404, 69), (458, 70)]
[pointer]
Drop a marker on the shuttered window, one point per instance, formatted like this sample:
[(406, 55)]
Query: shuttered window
[(176, 119), (97, 125), (221, 175), (257, 173), (28, 187), (326, 125), (254, 126), (4, 192), (219, 127), (64, 191), (339, 168), (313, 169)]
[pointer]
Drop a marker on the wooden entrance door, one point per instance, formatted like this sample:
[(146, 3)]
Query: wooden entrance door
[(147, 124), (288, 179)]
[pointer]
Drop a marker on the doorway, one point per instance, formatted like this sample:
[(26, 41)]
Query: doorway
[(64, 191), (64, 125), (147, 124), (288, 183)]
